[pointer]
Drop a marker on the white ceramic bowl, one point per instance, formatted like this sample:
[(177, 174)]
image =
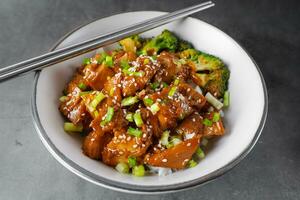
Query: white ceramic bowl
[(244, 119)]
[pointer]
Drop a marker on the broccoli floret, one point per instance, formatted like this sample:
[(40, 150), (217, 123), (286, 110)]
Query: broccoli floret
[(212, 72), (191, 54), (208, 62), (215, 81), (132, 43), (202, 60), (184, 45), (165, 41)]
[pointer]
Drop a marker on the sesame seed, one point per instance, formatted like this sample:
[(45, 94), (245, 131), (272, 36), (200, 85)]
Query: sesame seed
[(134, 146), (164, 160), (188, 144)]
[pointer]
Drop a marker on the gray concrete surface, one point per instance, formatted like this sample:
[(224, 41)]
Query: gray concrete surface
[(269, 30)]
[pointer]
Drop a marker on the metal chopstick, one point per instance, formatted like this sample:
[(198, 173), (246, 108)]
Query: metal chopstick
[(97, 42)]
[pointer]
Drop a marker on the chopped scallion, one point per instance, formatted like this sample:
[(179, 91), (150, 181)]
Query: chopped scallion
[(139, 73), (172, 91), (82, 86), (63, 98), (207, 122), (192, 163), (213, 101), (129, 117), (138, 170), (175, 140), (134, 132), (99, 97), (176, 82), (85, 93), (109, 61), (70, 127), (132, 162), (108, 117), (226, 99), (164, 140), (111, 92), (216, 117), (86, 61), (129, 101), (138, 119), (124, 64), (101, 58), (154, 108), (96, 113), (146, 61), (154, 85), (148, 101), (122, 168), (164, 84), (200, 153)]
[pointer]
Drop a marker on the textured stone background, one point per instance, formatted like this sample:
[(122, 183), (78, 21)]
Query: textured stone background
[(269, 30)]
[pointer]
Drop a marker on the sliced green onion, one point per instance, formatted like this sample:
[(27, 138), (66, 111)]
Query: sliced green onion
[(139, 73), (132, 162), (154, 57), (86, 61), (154, 85), (207, 122), (216, 117), (124, 64), (172, 91), (134, 132), (138, 119), (63, 98), (85, 93), (122, 168), (204, 142), (102, 58), (148, 101), (226, 99), (154, 108), (108, 117), (164, 140), (175, 141), (176, 82), (213, 101), (146, 61), (192, 163), (138, 170), (82, 86), (164, 84), (129, 101), (70, 127), (129, 117), (111, 92), (109, 61), (99, 97), (96, 113), (142, 52), (200, 153)]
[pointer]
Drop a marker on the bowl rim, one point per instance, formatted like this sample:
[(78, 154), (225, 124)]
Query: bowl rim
[(130, 188)]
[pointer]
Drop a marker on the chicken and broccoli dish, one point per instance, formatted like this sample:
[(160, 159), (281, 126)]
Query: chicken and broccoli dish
[(149, 106)]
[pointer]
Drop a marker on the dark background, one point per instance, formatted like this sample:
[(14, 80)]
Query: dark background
[(269, 30)]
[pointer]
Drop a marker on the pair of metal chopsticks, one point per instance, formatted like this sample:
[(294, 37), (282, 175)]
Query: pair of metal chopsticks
[(60, 55)]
